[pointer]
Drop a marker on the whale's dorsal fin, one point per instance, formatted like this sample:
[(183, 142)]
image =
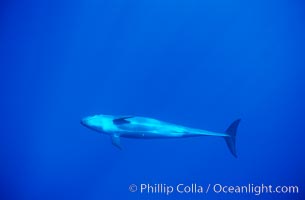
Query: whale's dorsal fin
[(122, 120), (116, 141)]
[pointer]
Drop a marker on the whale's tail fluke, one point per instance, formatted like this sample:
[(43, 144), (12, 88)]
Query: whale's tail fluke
[(231, 131)]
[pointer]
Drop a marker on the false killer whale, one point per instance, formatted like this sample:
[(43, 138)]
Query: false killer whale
[(149, 128)]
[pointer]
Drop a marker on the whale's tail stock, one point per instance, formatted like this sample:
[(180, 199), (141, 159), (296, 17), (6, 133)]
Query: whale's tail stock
[(231, 138)]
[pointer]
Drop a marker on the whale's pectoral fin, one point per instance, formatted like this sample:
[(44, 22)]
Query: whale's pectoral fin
[(121, 120), (116, 141)]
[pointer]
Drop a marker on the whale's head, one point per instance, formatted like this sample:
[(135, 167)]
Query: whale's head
[(100, 123)]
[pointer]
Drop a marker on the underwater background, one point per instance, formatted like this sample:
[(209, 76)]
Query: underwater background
[(201, 64)]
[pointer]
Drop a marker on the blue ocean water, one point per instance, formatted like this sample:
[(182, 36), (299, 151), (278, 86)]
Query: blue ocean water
[(201, 64)]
